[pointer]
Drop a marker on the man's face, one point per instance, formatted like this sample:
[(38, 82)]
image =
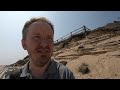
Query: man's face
[(39, 43)]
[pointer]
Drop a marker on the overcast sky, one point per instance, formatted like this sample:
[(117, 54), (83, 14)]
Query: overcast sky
[(12, 22)]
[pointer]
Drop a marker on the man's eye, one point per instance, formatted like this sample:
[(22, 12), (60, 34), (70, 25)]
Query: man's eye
[(36, 37), (50, 39)]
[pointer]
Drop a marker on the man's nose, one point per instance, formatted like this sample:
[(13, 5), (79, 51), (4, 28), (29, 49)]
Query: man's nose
[(43, 43)]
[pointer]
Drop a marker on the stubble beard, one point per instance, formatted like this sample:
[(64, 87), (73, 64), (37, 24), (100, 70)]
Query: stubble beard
[(40, 61)]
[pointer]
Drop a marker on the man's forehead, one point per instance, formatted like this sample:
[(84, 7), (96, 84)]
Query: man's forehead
[(39, 34), (40, 26)]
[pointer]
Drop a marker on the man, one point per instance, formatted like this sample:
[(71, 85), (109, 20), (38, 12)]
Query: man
[(38, 34)]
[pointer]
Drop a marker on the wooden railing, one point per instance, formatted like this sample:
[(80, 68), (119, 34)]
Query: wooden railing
[(80, 30)]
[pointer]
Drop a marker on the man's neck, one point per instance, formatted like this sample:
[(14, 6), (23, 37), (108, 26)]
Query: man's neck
[(37, 71)]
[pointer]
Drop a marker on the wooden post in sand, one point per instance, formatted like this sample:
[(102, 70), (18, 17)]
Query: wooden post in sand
[(85, 31), (71, 34)]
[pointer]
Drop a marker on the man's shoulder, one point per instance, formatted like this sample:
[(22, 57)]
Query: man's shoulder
[(61, 66), (14, 74), (64, 71)]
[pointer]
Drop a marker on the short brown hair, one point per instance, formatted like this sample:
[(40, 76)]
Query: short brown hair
[(32, 20)]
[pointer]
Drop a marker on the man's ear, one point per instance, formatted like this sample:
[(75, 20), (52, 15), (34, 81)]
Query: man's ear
[(23, 44)]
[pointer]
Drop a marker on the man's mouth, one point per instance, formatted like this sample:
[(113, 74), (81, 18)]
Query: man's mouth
[(42, 51)]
